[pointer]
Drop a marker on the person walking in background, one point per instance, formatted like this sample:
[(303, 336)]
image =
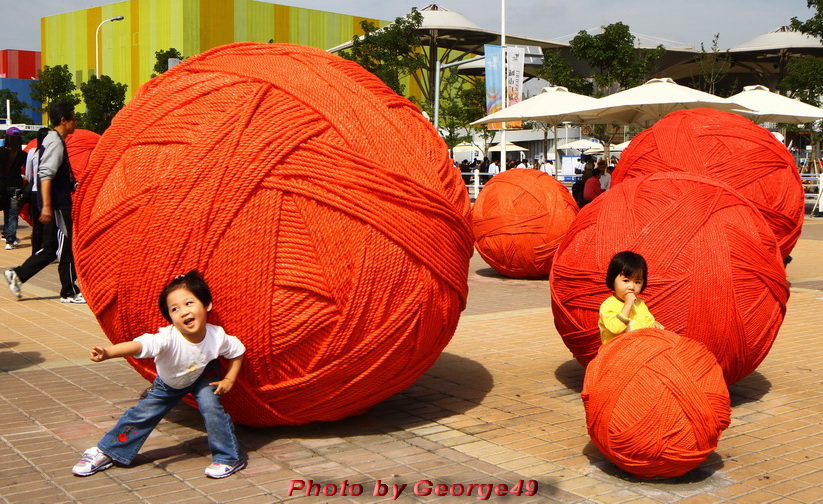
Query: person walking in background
[(56, 183), (32, 165), (592, 189), (12, 163)]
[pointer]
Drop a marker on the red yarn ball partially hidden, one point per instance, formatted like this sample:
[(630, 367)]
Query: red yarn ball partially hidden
[(729, 148), (80, 145), (519, 220), (272, 169), (714, 269), (655, 402)]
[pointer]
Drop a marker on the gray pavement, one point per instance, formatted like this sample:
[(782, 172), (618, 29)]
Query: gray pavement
[(501, 405)]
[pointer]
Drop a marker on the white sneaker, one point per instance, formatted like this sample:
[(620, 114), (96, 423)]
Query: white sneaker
[(217, 470), (75, 299), (93, 461), (9, 246), (14, 283)]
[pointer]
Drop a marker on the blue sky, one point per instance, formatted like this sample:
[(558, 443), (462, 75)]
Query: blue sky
[(688, 22)]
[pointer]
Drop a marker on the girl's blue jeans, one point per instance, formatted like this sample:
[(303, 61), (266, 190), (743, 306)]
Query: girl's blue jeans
[(124, 441)]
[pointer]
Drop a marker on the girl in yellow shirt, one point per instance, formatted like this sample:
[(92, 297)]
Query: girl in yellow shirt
[(623, 311)]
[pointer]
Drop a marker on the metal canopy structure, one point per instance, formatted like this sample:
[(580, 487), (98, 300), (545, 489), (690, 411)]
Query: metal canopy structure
[(449, 36)]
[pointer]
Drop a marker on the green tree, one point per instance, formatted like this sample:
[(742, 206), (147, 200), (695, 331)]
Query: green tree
[(162, 60), (804, 75), (712, 67), (54, 83), (559, 72), (615, 62), (17, 107), (814, 25), (392, 52), (103, 98)]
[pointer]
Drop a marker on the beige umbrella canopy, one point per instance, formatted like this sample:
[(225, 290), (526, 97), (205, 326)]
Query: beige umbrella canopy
[(510, 147), (581, 145), (644, 104), (554, 105), (772, 107)]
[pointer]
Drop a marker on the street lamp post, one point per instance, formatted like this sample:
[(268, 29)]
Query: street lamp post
[(96, 48)]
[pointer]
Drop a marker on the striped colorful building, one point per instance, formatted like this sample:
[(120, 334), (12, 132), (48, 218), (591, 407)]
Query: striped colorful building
[(127, 48)]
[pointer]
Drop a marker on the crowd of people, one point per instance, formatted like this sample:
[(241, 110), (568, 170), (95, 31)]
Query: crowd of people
[(595, 175)]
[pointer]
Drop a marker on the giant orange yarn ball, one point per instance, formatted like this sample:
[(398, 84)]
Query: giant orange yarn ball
[(729, 148), (80, 145), (655, 402), (519, 219), (273, 170), (714, 268)]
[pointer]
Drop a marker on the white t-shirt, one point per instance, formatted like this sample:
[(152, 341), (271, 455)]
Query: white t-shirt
[(179, 362)]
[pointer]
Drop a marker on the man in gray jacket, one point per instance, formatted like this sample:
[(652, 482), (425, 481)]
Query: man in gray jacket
[(55, 185)]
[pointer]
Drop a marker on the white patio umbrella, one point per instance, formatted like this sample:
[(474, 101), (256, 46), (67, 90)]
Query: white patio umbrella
[(581, 145), (644, 104), (554, 105), (510, 147), (772, 107)]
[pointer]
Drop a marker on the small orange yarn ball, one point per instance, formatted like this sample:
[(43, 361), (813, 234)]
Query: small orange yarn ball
[(519, 219), (714, 268), (656, 403), (729, 148), (272, 169)]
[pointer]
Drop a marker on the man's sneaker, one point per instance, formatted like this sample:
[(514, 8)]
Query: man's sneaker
[(93, 460), (14, 283), (74, 299), (9, 246), (217, 470)]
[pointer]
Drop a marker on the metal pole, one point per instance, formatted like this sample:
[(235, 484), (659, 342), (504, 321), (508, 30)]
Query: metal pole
[(505, 88), (96, 47), (437, 70)]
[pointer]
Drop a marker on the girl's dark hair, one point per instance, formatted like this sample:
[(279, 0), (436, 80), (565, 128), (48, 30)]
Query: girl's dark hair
[(41, 135), (192, 282), (628, 264)]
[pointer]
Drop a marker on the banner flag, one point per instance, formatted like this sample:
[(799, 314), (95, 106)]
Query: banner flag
[(515, 58), (494, 75)]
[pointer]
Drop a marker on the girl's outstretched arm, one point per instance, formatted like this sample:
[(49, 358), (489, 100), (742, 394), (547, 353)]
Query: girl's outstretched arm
[(125, 349)]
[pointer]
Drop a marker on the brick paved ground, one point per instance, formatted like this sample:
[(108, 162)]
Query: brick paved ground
[(501, 405)]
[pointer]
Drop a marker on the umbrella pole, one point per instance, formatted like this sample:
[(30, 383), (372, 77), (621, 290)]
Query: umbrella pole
[(557, 160)]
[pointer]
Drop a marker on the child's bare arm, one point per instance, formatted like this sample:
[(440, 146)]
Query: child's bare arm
[(125, 349), (224, 385)]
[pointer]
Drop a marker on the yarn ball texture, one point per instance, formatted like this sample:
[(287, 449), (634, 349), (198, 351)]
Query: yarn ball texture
[(714, 268), (519, 219), (273, 170), (656, 403), (729, 148)]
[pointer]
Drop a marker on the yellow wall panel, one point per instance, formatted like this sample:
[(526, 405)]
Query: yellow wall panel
[(216, 23), (127, 48)]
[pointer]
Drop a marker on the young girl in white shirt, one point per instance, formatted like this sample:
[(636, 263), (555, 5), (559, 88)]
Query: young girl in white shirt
[(185, 355)]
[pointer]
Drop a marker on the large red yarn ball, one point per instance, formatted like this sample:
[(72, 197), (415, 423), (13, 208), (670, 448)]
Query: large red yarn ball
[(519, 219), (714, 268), (80, 146), (275, 171), (655, 402), (729, 148)]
